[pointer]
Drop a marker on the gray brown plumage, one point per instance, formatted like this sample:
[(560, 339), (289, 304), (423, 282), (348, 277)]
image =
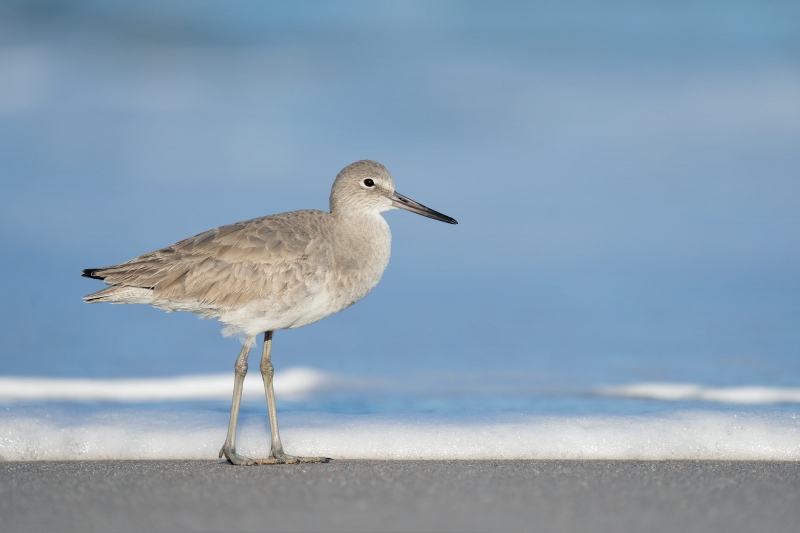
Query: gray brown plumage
[(274, 272)]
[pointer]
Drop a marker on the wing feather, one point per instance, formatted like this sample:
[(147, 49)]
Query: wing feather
[(229, 266)]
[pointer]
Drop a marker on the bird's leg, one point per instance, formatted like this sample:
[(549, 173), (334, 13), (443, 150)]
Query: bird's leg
[(276, 454), (240, 370)]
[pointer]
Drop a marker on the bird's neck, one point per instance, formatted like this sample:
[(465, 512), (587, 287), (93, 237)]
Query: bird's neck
[(367, 235), (369, 226)]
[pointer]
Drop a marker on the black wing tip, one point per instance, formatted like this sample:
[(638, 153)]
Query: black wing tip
[(92, 273)]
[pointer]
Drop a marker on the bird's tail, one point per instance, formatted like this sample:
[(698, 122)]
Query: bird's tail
[(92, 273), (118, 294), (99, 296)]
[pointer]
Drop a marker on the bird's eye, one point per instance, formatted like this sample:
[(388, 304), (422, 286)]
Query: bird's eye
[(369, 183)]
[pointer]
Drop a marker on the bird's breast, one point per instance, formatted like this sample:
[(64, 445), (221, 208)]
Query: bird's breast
[(359, 261)]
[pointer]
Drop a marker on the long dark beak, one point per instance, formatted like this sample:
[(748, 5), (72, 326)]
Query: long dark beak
[(401, 202)]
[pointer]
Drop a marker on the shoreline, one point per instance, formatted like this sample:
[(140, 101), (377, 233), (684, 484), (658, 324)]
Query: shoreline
[(401, 495)]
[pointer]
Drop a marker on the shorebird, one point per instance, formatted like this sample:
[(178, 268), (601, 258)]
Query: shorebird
[(275, 272)]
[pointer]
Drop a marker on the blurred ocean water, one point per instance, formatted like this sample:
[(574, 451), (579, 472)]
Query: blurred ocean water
[(625, 178)]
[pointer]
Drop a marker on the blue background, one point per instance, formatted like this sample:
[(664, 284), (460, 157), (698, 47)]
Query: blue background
[(625, 176)]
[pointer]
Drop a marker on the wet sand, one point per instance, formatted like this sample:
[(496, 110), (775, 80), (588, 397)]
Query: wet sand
[(598, 496)]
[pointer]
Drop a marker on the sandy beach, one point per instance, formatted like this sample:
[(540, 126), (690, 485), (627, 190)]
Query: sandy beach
[(598, 496)]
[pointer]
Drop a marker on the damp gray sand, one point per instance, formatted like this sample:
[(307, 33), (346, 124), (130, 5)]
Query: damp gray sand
[(598, 496)]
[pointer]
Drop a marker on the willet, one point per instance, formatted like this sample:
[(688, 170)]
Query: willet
[(276, 272)]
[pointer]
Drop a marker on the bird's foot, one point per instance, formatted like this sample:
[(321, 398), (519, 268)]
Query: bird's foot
[(281, 458), (236, 459)]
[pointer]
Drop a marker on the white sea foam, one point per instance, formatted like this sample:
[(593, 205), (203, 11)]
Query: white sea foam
[(291, 383), (81, 430), (690, 391), (298, 382), (124, 432)]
